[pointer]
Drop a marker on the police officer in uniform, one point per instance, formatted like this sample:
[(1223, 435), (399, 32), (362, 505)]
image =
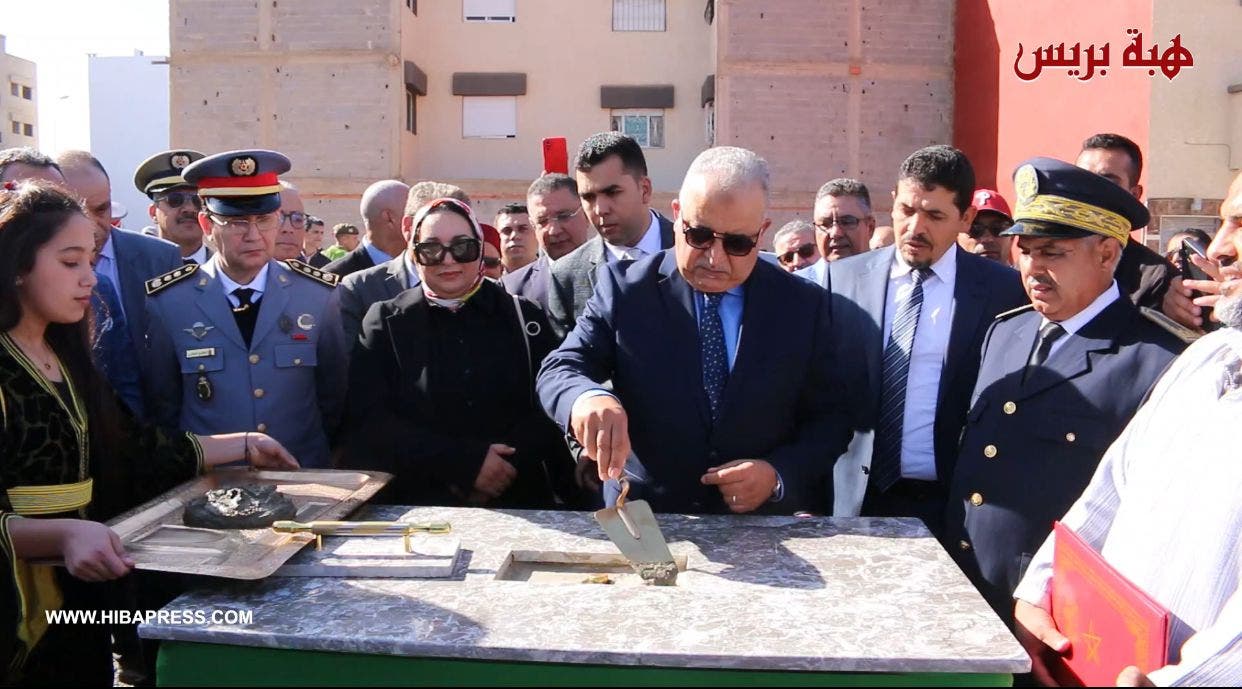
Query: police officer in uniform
[(245, 342), (174, 202), (1059, 379)]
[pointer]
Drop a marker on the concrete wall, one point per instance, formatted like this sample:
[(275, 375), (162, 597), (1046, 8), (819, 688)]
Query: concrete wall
[(16, 108), (129, 123), (830, 89)]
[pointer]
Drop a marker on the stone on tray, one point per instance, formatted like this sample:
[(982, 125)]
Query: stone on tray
[(250, 506)]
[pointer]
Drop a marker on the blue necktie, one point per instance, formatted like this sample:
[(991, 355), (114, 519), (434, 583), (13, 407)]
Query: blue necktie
[(712, 346), (113, 347), (886, 455)]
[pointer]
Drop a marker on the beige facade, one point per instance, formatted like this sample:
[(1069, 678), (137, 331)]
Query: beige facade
[(820, 89), (18, 114)]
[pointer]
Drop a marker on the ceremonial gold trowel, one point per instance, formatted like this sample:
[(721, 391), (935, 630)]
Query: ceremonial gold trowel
[(632, 527)]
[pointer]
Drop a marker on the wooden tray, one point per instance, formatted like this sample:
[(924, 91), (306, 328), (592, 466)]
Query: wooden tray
[(155, 537)]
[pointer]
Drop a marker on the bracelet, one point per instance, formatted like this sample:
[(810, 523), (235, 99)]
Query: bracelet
[(246, 441)]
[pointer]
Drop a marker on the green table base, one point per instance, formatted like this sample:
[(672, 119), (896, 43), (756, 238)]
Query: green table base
[(196, 664)]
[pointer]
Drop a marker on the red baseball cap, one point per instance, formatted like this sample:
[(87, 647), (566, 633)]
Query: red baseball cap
[(490, 235), (991, 200)]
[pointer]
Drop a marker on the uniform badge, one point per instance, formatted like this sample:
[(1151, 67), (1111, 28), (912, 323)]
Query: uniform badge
[(200, 353), (203, 388), (178, 160), (306, 321), (243, 166), (1026, 184), (285, 324), (199, 330)]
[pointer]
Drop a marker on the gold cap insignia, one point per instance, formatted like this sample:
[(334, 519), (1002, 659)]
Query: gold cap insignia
[(179, 160), (1026, 184), (244, 166)]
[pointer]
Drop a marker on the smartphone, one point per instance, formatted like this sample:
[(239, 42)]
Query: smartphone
[(555, 155), (1190, 271)]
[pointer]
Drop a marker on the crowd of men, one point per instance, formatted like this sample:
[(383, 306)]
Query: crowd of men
[(975, 363)]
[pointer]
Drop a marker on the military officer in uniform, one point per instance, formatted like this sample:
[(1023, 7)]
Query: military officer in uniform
[(245, 342), (174, 202), (1059, 379)]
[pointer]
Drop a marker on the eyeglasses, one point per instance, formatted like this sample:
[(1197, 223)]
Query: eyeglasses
[(845, 222), (561, 218), (463, 249), (263, 223), (804, 251), (491, 262), (734, 244), (978, 229), (177, 199), (294, 218)]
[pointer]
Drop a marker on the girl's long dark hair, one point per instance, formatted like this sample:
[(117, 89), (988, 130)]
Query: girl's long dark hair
[(31, 214)]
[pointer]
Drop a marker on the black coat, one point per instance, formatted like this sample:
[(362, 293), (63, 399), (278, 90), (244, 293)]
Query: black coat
[(1029, 449), (352, 262), (430, 390)]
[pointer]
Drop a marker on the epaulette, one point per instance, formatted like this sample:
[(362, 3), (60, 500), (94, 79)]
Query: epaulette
[(156, 284), (1014, 312), (320, 276), (1179, 331)]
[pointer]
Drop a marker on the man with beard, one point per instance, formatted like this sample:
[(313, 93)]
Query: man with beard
[(843, 225), (174, 204), (928, 305), (1048, 403), (1163, 506)]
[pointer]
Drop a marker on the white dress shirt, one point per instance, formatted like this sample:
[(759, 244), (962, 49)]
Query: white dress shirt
[(105, 264), (1079, 320), (200, 257), (931, 344), (647, 246), (258, 284), (1165, 509)]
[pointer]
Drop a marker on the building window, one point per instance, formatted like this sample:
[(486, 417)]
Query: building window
[(489, 117), (17, 127), (638, 15), (644, 126), (709, 123), (28, 129), (413, 5), (14, 88), (489, 10), (411, 111), (27, 93)]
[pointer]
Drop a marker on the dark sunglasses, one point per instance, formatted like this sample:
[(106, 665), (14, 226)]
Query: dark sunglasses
[(978, 229), (177, 199), (463, 249), (491, 262), (702, 238), (805, 251)]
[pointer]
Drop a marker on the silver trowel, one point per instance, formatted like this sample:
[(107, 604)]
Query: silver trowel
[(633, 528)]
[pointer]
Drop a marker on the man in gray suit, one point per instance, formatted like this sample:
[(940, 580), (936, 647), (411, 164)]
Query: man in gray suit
[(126, 260), (385, 281), (246, 342), (615, 191), (560, 227)]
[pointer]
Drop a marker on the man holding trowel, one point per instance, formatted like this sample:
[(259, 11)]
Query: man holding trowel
[(725, 380)]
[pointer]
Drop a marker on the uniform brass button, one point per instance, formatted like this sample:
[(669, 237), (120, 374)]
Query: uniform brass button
[(963, 545), (254, 358), (297, 362), (1010, 407), (989, 451), (262, 428), (1071, 437), (976, 499), (258, 392)]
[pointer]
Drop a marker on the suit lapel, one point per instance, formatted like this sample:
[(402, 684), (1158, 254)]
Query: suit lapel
[(215, 306), (870, 292), (678, 301), (133, 293), (396, 276), (594, 258), (275, 299), (407, 328), (969, 297), (761, 314), (666, 231), (1073, 359)]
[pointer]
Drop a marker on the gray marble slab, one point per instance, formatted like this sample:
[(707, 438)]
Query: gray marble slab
[(759, 593)]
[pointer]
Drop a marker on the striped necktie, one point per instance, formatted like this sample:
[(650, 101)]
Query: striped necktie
[(886, 455)]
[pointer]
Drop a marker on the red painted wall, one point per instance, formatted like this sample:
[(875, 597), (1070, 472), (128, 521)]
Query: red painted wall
[(1000, 120)]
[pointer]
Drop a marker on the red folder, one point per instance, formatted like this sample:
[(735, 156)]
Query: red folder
[(1110, 622)]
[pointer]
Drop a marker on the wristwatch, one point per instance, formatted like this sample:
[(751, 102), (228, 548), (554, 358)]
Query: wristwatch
[(778, 492)]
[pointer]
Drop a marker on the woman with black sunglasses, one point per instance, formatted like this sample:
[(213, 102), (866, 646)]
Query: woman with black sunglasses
[(441, 386)]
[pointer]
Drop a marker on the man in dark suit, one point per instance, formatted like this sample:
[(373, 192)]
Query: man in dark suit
[(381, 208), (560, 227), (127, 260), (927, 305), (358, 291), (1060, 378), (724, 378), (611, 172)]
